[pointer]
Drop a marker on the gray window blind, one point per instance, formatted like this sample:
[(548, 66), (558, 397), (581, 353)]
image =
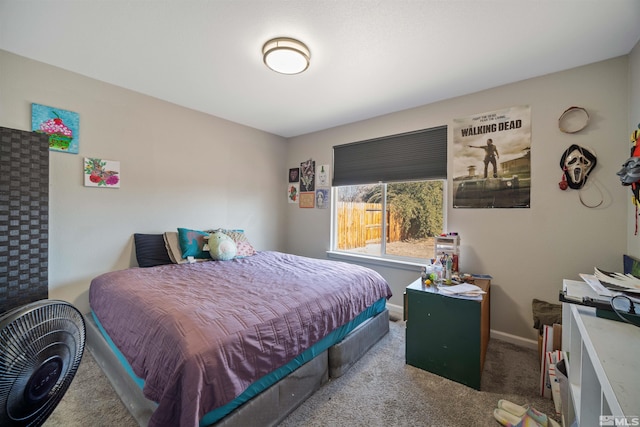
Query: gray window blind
[(408, 156)]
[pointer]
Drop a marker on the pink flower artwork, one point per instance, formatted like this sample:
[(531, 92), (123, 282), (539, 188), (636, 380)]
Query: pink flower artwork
[(101, 173)]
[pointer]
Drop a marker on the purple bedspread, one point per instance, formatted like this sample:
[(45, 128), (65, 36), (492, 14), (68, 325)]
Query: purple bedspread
[(199, 334)]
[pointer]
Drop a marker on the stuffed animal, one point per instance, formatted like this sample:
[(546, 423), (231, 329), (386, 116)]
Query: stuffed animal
[(221, 246)]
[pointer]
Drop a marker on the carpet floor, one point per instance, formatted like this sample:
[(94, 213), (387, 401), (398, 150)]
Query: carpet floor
[(379, 390)]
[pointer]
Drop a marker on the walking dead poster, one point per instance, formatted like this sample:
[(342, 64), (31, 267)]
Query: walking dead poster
[(492, 159)]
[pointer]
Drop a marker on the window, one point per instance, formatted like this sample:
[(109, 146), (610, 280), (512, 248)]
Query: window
[(389, 220), (389, 195)]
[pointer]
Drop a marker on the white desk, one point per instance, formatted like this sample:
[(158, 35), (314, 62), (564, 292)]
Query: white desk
[(604, 365)]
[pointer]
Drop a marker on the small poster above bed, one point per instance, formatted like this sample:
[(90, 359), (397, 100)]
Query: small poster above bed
[(101, 173)]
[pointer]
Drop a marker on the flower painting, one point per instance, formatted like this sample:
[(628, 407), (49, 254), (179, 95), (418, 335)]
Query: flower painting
[(293, 192), (60, 125), (101, 173)]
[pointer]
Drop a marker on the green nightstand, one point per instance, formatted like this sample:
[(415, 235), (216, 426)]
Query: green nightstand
[(445, 335)]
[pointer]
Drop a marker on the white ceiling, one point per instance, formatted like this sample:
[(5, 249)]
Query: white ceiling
[(368, 57)]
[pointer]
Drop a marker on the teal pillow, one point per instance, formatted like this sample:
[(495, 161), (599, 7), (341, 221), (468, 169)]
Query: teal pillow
[(191, 243)]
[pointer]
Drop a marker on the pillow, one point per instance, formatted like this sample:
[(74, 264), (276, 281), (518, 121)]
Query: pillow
[(243, 246), (191, 243), (173, 247), (221, 246), (545, 313), (151, 250)]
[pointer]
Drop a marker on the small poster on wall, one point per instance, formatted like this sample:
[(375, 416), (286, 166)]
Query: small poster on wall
[(322, 198), (307, 176), (61, 126), (307, 199), (323, 176), (492, 161), (101, 173), (294, 175), (293, 193)]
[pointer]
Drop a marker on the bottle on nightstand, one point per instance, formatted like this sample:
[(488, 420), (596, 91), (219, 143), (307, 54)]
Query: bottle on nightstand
[(449, 245), (438, 269)]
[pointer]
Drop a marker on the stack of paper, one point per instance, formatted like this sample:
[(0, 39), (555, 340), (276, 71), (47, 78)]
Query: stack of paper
[(597, 287), (618, 281), (463, 290)]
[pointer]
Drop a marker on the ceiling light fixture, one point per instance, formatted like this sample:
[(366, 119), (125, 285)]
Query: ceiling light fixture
[(286, 56)]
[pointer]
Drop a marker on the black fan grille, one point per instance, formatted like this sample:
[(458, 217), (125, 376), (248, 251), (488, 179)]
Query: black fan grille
[(42, 345)]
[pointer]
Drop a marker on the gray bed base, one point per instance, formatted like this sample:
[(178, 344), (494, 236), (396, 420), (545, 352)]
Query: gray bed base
[(269, 407)]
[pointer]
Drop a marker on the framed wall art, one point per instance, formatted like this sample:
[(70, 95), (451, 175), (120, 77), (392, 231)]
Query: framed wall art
[(101, 173), (60, 125)]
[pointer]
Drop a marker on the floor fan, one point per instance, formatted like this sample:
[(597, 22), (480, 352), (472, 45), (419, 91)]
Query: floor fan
[(41, 345)]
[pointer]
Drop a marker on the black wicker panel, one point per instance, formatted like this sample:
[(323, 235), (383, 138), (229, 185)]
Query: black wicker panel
[(24, 217)]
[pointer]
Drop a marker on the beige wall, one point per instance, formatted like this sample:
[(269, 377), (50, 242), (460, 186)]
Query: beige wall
[(527, 251), (179, 168), (168, 153)]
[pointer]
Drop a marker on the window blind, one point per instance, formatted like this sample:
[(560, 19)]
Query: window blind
[(408, 156)]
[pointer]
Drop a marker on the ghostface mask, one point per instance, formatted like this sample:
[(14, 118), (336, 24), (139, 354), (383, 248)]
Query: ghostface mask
[(576, 163)]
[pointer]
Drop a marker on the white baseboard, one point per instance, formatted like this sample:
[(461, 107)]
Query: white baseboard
[(514, 339), (396, 311)]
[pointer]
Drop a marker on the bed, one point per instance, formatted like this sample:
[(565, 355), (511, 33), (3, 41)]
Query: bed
[(223, 342)]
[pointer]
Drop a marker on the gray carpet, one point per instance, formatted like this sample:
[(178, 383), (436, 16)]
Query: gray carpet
[(379, 390)]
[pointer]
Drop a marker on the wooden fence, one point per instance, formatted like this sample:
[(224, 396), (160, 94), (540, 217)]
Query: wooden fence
[(360, 224)]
